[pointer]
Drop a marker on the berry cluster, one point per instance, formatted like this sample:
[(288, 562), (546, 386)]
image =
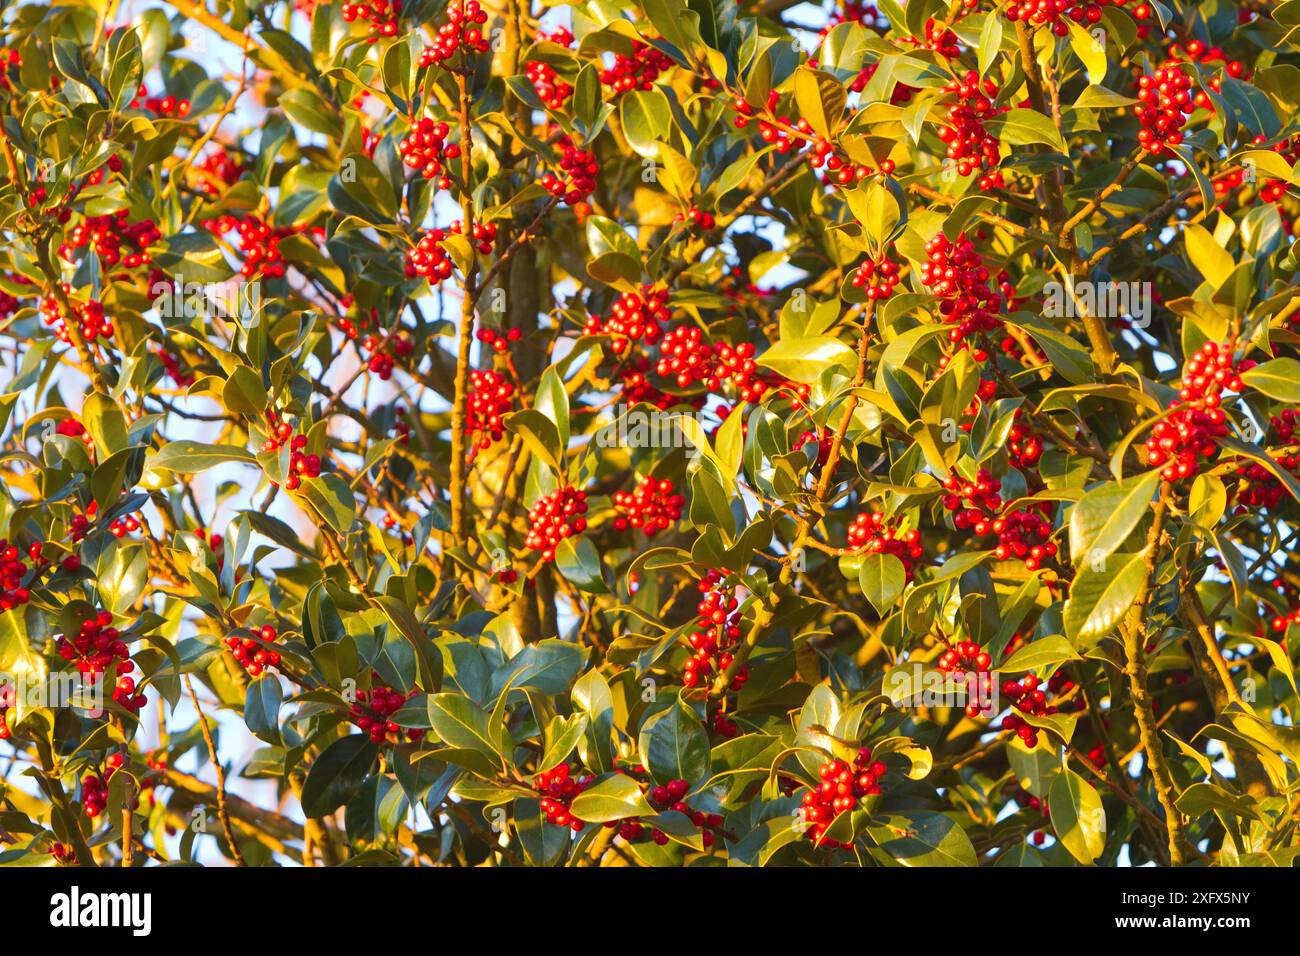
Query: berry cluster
[(872, 533), (558, 787), (1284, 618), (1024, 445), (380, 14), (633, 318), (717, 631), (966, 657), (684, 355), (425, 148), (172, 367), (735, 364), (695, 218), (301, 464), (841, 788), (252, 656), (490, 399), (218, 170), (98, 649), (578, 168), (13, 570), (482, 234), (938, 38), (555, 517), (653, 507), (637, 387), (429, 259), (1187, 435), (1197, 52), (259, 243), (124, 525), (462, 32), (970, 145), (168, 106), (90, 318), (108, 234), (1257, 486), (956, 274), (877, 276), (385, 351), (1026, 697), (1054, 13), (823, 438), (636, 72), (1166, 102), (550, 89), (94, 794), (371, 712), (671, 797), (496, 340), (1022, 533), (79, 526)]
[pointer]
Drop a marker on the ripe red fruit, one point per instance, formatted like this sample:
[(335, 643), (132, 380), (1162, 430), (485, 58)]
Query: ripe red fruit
[(840, 790), (253, 656), (490, 399), (1187, 435), (653, 507), (372, 709), (460, 32), (555, 517), (716, 635), (873, 533), (1166, 102), (429, 259)]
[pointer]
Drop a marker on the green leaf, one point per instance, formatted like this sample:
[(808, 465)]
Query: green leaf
[(1021, 127), (614, 798), (191, 457), (1209, 257), (1101, 594), (462, 724), (244, 393), (553, 402), (337, 774), (882, 577), (675, 745), (1103, 519), (308, 108), (1278, 378), (577, 559), (805, 359), (550, 666), (1041, 654), (106, 424), (820, 98), (878, 211), (262, 708), (1077, 816), (332, 499), (646, 120), (543, 844), (923, 839)]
